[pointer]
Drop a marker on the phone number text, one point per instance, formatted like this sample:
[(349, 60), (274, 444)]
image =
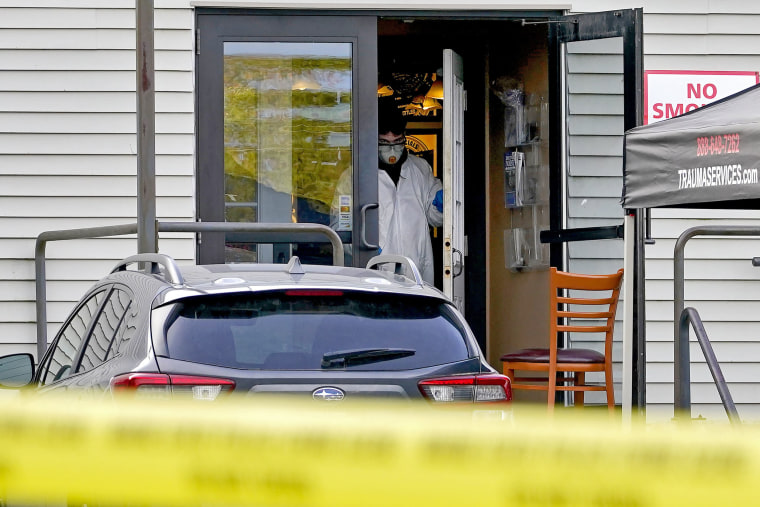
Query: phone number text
[(717, 145)]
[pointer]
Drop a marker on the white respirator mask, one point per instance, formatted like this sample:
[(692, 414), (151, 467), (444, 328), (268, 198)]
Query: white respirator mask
[(391, 153)]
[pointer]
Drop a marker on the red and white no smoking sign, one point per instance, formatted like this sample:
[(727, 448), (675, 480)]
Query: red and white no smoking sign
[(669, 93)]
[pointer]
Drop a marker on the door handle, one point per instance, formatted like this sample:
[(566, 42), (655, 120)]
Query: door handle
[(363, 233), (459, 264)]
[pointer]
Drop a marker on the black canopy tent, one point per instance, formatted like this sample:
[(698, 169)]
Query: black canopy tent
[(706, 158)]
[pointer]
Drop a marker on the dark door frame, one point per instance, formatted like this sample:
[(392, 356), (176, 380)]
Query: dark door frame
[(628, 24), (217, 26)]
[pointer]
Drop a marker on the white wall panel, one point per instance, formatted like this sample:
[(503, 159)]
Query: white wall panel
[(709, 248), (68, 15), (23, 269), (90, 123), (596, 83), (56, 80), (743, 23), (706, 393), (593, 222), (89, 80), (737, 290), (82, 59), (656, 6), (720, 269), (106, 101), (93, 207), (56, 291), (599, 186), (603, 145), (597, 249), (98, 144), (82, 186), (596, 104), (662, 60), (742, 44), (733, 372), (598, 208), (715, 310), (674, 228), (90, 164), (596, 125), (702, 24), (700, 214), (717, 331), (98, 38), (596, 165), (597, 266)]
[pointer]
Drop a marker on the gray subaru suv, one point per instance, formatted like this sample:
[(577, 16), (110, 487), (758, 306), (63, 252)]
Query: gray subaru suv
[(331, 333)]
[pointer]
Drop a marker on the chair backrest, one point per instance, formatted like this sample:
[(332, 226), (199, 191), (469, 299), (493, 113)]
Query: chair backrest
[(584, 304)]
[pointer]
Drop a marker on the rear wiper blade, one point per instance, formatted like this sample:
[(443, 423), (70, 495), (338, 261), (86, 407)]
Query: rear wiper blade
[(343, 358)]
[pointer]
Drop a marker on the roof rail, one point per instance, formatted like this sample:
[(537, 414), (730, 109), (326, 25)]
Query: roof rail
[(154, 260), (400, 261)]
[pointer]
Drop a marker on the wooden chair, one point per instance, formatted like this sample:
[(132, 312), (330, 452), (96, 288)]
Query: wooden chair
[(572, 312)]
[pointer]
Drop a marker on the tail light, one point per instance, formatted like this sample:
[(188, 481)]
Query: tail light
[(468, 389), (161, 386)]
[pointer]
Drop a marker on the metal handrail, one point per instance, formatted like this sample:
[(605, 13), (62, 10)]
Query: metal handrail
[(40, 277), (690, 315), (124, 229), (681, 360)]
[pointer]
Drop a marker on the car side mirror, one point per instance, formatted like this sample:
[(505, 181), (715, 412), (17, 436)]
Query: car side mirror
[(16, 370)]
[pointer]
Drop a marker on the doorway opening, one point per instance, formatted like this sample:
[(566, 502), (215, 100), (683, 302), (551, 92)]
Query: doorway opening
[(504, 262)]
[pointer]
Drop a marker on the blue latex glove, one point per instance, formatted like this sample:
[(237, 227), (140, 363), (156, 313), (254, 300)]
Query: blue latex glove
[(438, 201)]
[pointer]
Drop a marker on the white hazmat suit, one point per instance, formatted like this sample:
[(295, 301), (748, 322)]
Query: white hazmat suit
[(405, 212)]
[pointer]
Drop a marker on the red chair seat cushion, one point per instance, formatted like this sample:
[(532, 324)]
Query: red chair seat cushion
[(563, 356)]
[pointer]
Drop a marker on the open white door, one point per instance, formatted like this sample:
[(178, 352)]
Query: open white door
[(454, 240)]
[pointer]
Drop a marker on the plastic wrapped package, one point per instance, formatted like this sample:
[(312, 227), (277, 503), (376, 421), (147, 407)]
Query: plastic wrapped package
[(510, 93)]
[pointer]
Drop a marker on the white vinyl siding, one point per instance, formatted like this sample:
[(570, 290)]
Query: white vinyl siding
[(724, 287), (68, 144)]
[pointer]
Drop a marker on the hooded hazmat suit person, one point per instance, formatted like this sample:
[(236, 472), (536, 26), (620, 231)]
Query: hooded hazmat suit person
[(410, 197)]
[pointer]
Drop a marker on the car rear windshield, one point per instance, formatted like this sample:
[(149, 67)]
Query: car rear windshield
[(316, 330)]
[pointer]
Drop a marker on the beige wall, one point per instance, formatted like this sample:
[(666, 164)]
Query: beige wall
[(517, 301)]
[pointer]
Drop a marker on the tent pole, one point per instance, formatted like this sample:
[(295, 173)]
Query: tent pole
[(628, 316)]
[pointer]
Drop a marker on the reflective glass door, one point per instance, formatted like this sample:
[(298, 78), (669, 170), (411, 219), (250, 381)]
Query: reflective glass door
[(287, 140), (280, 104)]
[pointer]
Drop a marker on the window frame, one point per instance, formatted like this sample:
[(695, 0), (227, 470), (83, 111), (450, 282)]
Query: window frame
[(116, 330), (44, 368)]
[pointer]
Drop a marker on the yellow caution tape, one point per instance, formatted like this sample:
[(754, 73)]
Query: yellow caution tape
[(250, 452)]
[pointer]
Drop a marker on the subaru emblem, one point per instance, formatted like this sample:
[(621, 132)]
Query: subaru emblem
[(328, 394)]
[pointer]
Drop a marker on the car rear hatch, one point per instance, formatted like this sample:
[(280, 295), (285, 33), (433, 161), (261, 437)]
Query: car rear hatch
[(325, 344)]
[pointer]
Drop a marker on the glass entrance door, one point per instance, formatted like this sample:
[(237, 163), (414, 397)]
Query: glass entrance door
[(279, 106)]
